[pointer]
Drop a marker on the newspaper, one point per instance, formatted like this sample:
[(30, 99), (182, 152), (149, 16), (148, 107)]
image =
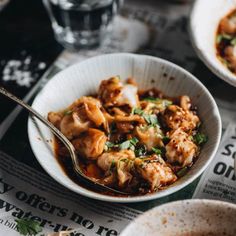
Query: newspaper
[(219, 181), (26, 193)]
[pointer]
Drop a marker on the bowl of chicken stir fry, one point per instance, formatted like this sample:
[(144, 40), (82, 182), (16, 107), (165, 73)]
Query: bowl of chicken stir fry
[(139, 124), (213, 35)]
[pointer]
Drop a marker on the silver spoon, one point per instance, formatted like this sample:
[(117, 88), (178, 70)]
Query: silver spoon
[(64, 140)]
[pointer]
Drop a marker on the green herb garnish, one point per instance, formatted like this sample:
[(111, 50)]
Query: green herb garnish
[(134, 141), (166, 139), (140, 151), (200, 139), (218, 38), (182, 172), (129, 144), (112, 166), (150, 119), (164, 102), (233, 41), (221, 37), (125, 145), (157, 151), (28, 227), (137, 111), (109, 145), (151, 99), (68, 112), (167, 103)]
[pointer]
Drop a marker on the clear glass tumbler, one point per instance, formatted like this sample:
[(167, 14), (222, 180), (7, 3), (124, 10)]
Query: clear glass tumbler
[(81, 23)]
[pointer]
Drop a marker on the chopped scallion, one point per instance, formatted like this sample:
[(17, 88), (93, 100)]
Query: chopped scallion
[(200, 139), (182, 172), (157, 151)]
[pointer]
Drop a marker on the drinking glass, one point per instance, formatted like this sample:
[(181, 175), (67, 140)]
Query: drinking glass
[(81, 23)]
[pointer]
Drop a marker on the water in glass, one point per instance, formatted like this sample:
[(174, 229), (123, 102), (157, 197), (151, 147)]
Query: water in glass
[(79, 23)]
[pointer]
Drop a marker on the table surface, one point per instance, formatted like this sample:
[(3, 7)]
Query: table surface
[(26, 36)]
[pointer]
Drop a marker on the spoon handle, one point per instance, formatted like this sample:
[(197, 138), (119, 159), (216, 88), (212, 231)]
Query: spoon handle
[(61, 136), (65, 141)]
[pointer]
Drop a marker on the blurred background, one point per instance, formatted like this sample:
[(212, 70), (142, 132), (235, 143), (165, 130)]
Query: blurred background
[(28, 46)]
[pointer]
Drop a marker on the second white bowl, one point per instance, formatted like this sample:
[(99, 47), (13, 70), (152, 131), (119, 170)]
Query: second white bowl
[(204, 20), (186, 218)]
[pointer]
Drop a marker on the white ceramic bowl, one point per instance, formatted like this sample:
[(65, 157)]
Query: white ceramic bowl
[(84, 79), (204, 21), (186, 218)]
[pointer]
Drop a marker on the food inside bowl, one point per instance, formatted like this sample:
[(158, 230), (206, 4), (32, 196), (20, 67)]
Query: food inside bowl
[(226, 41), (137, 141)]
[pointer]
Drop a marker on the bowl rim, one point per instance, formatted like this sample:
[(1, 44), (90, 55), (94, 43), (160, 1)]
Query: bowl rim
[(208, 202), (130, 199), (221, 72)]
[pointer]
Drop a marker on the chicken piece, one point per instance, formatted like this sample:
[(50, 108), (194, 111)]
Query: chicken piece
[(108, 116), (92, 109), (72, 125), (230, 56), (130, 118), (91, 144), (124, 127), (148, 107), (181, 149), (151, 108), (118, 111), (150, 136), (121, 162), (176, 117), (129, 96), (84, 113), (55, 118), (228, 25), (155, 106), (120, 115), (185, 102), (154, 170), (113, 92)]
